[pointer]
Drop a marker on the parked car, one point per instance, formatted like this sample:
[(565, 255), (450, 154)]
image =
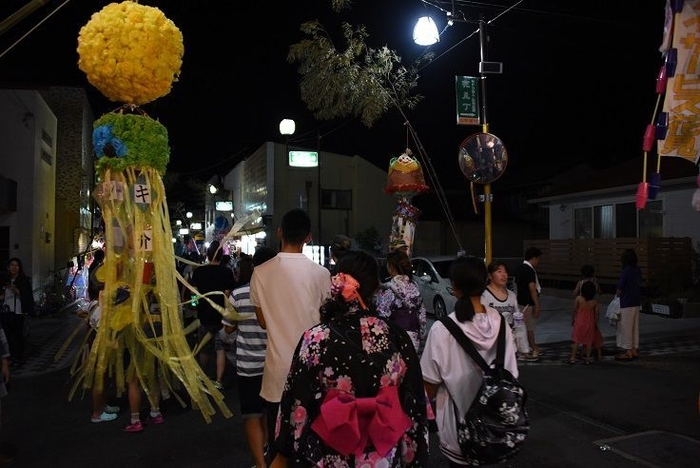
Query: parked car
[(432, 275)]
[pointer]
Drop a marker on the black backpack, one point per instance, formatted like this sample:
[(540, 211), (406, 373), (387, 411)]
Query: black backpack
[(496, 425)]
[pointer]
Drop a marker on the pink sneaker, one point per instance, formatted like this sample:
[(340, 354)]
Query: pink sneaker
[(155, 420), (133, 427)]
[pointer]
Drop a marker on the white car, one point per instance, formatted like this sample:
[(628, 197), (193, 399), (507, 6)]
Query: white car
[(432, 275)]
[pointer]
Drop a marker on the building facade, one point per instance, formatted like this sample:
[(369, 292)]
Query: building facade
[(46, 175), (351, 199)]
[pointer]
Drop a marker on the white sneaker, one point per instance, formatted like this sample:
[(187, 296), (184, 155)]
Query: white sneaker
[(112, 409), (104, 417)]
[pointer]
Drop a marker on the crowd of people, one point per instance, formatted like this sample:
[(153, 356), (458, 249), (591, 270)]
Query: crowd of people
[(314, 342)]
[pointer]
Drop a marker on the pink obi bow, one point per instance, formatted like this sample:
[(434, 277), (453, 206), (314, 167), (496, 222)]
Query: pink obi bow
[(346, 424)]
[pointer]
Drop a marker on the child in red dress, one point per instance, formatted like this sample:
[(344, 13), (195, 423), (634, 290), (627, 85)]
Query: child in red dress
[(585, 324)]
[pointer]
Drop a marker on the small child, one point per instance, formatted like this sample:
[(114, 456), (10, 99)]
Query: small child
[(587, 274), (585, 324), (225, 345)]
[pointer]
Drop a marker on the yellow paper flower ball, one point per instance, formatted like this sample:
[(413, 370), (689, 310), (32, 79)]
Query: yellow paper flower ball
[(131, 53)]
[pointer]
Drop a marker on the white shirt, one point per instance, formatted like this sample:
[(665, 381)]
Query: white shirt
[(445, 363), (289, 289)]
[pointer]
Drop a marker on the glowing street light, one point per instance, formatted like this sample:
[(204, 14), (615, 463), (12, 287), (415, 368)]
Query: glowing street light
[(426, 33)]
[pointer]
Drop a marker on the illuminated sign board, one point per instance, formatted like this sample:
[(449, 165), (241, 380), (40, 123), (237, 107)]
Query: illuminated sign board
[(303, 158), (224, 206)]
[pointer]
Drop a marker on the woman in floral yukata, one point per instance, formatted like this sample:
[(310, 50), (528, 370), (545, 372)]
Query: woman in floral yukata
[(399, 298), (354, 394)]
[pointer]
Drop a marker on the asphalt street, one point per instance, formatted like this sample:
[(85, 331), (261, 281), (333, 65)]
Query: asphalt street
[(608, 414)]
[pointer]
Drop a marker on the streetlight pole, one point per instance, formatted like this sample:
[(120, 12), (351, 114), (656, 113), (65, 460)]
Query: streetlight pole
[(488, 197), (287, 128), (426, 34)]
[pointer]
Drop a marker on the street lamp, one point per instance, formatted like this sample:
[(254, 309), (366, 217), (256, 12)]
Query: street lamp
[(425, 33), (287, 128)]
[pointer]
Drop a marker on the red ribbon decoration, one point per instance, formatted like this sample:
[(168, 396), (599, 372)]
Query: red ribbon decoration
[(346, 424)]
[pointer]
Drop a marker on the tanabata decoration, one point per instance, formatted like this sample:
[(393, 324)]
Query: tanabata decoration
[(405, 179), (132, 53), (673, 131)]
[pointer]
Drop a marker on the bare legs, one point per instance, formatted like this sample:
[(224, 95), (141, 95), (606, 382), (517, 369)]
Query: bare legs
[(256, 435), (220, 364), (534, 349)]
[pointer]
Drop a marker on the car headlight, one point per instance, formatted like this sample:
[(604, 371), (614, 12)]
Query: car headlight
[(449, 290)]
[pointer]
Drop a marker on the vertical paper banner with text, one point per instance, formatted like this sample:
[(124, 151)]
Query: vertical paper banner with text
[(682, 102)]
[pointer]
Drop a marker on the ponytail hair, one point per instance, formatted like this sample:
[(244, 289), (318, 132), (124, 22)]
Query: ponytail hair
[(468, 275)]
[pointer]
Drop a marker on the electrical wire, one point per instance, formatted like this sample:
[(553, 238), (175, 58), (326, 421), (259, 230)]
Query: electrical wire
[(12, 46)]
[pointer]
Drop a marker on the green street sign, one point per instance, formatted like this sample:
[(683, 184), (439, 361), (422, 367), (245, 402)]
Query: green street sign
[(467, 89)]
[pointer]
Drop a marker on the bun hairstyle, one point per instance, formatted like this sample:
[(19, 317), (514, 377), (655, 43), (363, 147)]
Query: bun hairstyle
[(364, 269), (468, 275), (588, 290), (401, 263), (340, 246)]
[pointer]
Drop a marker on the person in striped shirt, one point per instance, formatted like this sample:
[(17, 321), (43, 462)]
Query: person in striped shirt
[(251, 344)]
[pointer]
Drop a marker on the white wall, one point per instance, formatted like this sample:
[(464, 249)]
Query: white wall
[(23, 116), (679, 220), (265, 177)]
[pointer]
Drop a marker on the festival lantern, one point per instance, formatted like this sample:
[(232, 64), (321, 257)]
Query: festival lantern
[(132, 54), (405, 180)]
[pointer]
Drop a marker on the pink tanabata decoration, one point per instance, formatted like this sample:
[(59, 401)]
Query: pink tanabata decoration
[(642, 195)]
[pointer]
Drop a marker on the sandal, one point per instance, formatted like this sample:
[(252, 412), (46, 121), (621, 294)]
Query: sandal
[(104, 417), (569, 361), (624, 357)]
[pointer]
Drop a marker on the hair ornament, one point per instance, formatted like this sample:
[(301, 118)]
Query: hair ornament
[(345, 285)]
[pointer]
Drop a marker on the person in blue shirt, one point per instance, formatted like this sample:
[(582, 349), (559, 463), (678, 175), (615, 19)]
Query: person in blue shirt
[(629, 290)]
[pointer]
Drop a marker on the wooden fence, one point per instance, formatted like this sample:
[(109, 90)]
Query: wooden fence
[(666, 262)]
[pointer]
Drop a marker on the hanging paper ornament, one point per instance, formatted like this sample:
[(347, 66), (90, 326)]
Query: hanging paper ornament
[(649, 137), (132, 54), (405, 178), (642, 195), (654, 185)]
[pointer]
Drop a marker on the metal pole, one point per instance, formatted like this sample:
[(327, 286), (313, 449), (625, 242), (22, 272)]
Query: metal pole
[(318, 177), (485, 128)]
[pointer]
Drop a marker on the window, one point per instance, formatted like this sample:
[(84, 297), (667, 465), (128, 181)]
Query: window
[(336, 199), (46, 156), (583, 223), (46, 137), (603, 222), (651, 220), (619, 220)]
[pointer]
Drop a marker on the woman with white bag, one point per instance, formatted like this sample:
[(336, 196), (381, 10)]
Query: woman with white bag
[(629, 290)]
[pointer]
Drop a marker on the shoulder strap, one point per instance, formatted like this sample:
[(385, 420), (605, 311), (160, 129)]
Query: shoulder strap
[(468, 346)]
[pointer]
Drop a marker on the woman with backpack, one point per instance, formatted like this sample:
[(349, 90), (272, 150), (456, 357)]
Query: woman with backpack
[(449, 374)]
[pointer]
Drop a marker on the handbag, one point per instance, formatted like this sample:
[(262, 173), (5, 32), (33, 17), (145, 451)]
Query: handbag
[(612, 313)]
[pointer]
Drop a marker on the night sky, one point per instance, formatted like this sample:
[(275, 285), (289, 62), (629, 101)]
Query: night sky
[(577, 84)]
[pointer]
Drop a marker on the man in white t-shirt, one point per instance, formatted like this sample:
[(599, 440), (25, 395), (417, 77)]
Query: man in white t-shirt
[(287, 292)]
